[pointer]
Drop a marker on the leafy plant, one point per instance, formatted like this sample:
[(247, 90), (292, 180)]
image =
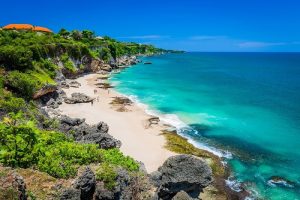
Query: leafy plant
[(107, 174), (23, 84), (116, 157), (17, 140)]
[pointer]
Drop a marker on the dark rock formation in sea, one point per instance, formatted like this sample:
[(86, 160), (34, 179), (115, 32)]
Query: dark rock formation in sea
[(82, 132), (78, 98), (181, 173), (280, 181)]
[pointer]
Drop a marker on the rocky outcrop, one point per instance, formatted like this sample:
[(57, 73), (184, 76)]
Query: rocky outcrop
[(280, 181), (102, 193), (12, 185), (121, 101), (182, 195), (82, 132), (74, 84), (86, 184), (126, 61), (20, 185), (181, 173), (70, 194), (45, 90), (78, 98)]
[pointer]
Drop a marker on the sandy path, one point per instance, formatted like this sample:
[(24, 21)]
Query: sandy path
[(143, 144)]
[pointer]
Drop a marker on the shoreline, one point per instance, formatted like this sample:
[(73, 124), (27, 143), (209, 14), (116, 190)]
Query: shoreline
[(145, 144), (128, 123)]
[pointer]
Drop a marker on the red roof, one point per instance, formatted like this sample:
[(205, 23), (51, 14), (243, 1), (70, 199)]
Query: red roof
[(18, 26), (42, 29), (26, 27)]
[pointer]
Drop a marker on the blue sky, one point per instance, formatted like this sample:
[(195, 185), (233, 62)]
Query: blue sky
[(192, 25)]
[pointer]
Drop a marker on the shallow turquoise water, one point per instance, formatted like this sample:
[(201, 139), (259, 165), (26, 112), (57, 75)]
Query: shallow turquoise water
[(244, 103)]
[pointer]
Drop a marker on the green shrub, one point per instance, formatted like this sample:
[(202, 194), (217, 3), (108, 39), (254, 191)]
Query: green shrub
[(23, 84), (68, 64), (116, 157), (107, 174), (15, 57), (17, 141), (12, 104)]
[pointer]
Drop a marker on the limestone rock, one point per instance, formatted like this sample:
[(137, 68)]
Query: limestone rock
[(78, 98), (182, 195), (44, 90), (20, 186), (90, 134), (182, 172), (74, 84), (86, 183), (70, 194), (102, 193)]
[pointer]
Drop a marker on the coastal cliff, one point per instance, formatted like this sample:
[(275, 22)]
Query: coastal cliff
[(52, 144)]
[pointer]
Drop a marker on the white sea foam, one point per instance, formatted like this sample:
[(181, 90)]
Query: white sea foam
[(174, 121), (233, 184)]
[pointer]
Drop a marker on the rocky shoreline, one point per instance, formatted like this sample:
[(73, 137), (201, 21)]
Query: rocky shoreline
[(178, 178)]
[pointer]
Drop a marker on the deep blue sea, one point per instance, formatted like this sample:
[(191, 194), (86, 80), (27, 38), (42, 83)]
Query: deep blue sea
[(245, 106)]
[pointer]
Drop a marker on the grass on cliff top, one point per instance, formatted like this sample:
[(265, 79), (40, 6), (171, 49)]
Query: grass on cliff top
[(179, 144)]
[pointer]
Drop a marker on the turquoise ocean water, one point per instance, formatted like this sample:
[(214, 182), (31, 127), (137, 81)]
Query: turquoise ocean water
[(245, 106)]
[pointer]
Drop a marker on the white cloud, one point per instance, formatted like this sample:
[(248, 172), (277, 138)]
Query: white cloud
[(254, 44)]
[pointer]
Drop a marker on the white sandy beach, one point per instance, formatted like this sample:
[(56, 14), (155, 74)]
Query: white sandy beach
[(141, 143)]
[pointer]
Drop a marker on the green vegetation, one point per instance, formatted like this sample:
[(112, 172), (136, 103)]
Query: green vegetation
[(179, 144), (29, 139), (107, 173), (22, 144)]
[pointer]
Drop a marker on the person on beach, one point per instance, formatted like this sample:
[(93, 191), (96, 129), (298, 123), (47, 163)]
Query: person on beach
[(92, 102), (95, 91)]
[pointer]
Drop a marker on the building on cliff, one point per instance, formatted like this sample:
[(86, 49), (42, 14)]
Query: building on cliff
[(27, 27)]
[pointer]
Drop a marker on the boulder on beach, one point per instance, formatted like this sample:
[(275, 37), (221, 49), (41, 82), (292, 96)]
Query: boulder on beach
[(182, 173), (90, 134), (78, 98), (74, 84)]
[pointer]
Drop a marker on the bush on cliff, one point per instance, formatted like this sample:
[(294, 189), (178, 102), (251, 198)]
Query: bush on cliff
[(16, 58), (107, 174), (22, 144), (9, 103), (22, 84), (17, 141)]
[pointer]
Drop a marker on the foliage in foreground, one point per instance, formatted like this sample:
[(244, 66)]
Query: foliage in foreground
[(22, 144)]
